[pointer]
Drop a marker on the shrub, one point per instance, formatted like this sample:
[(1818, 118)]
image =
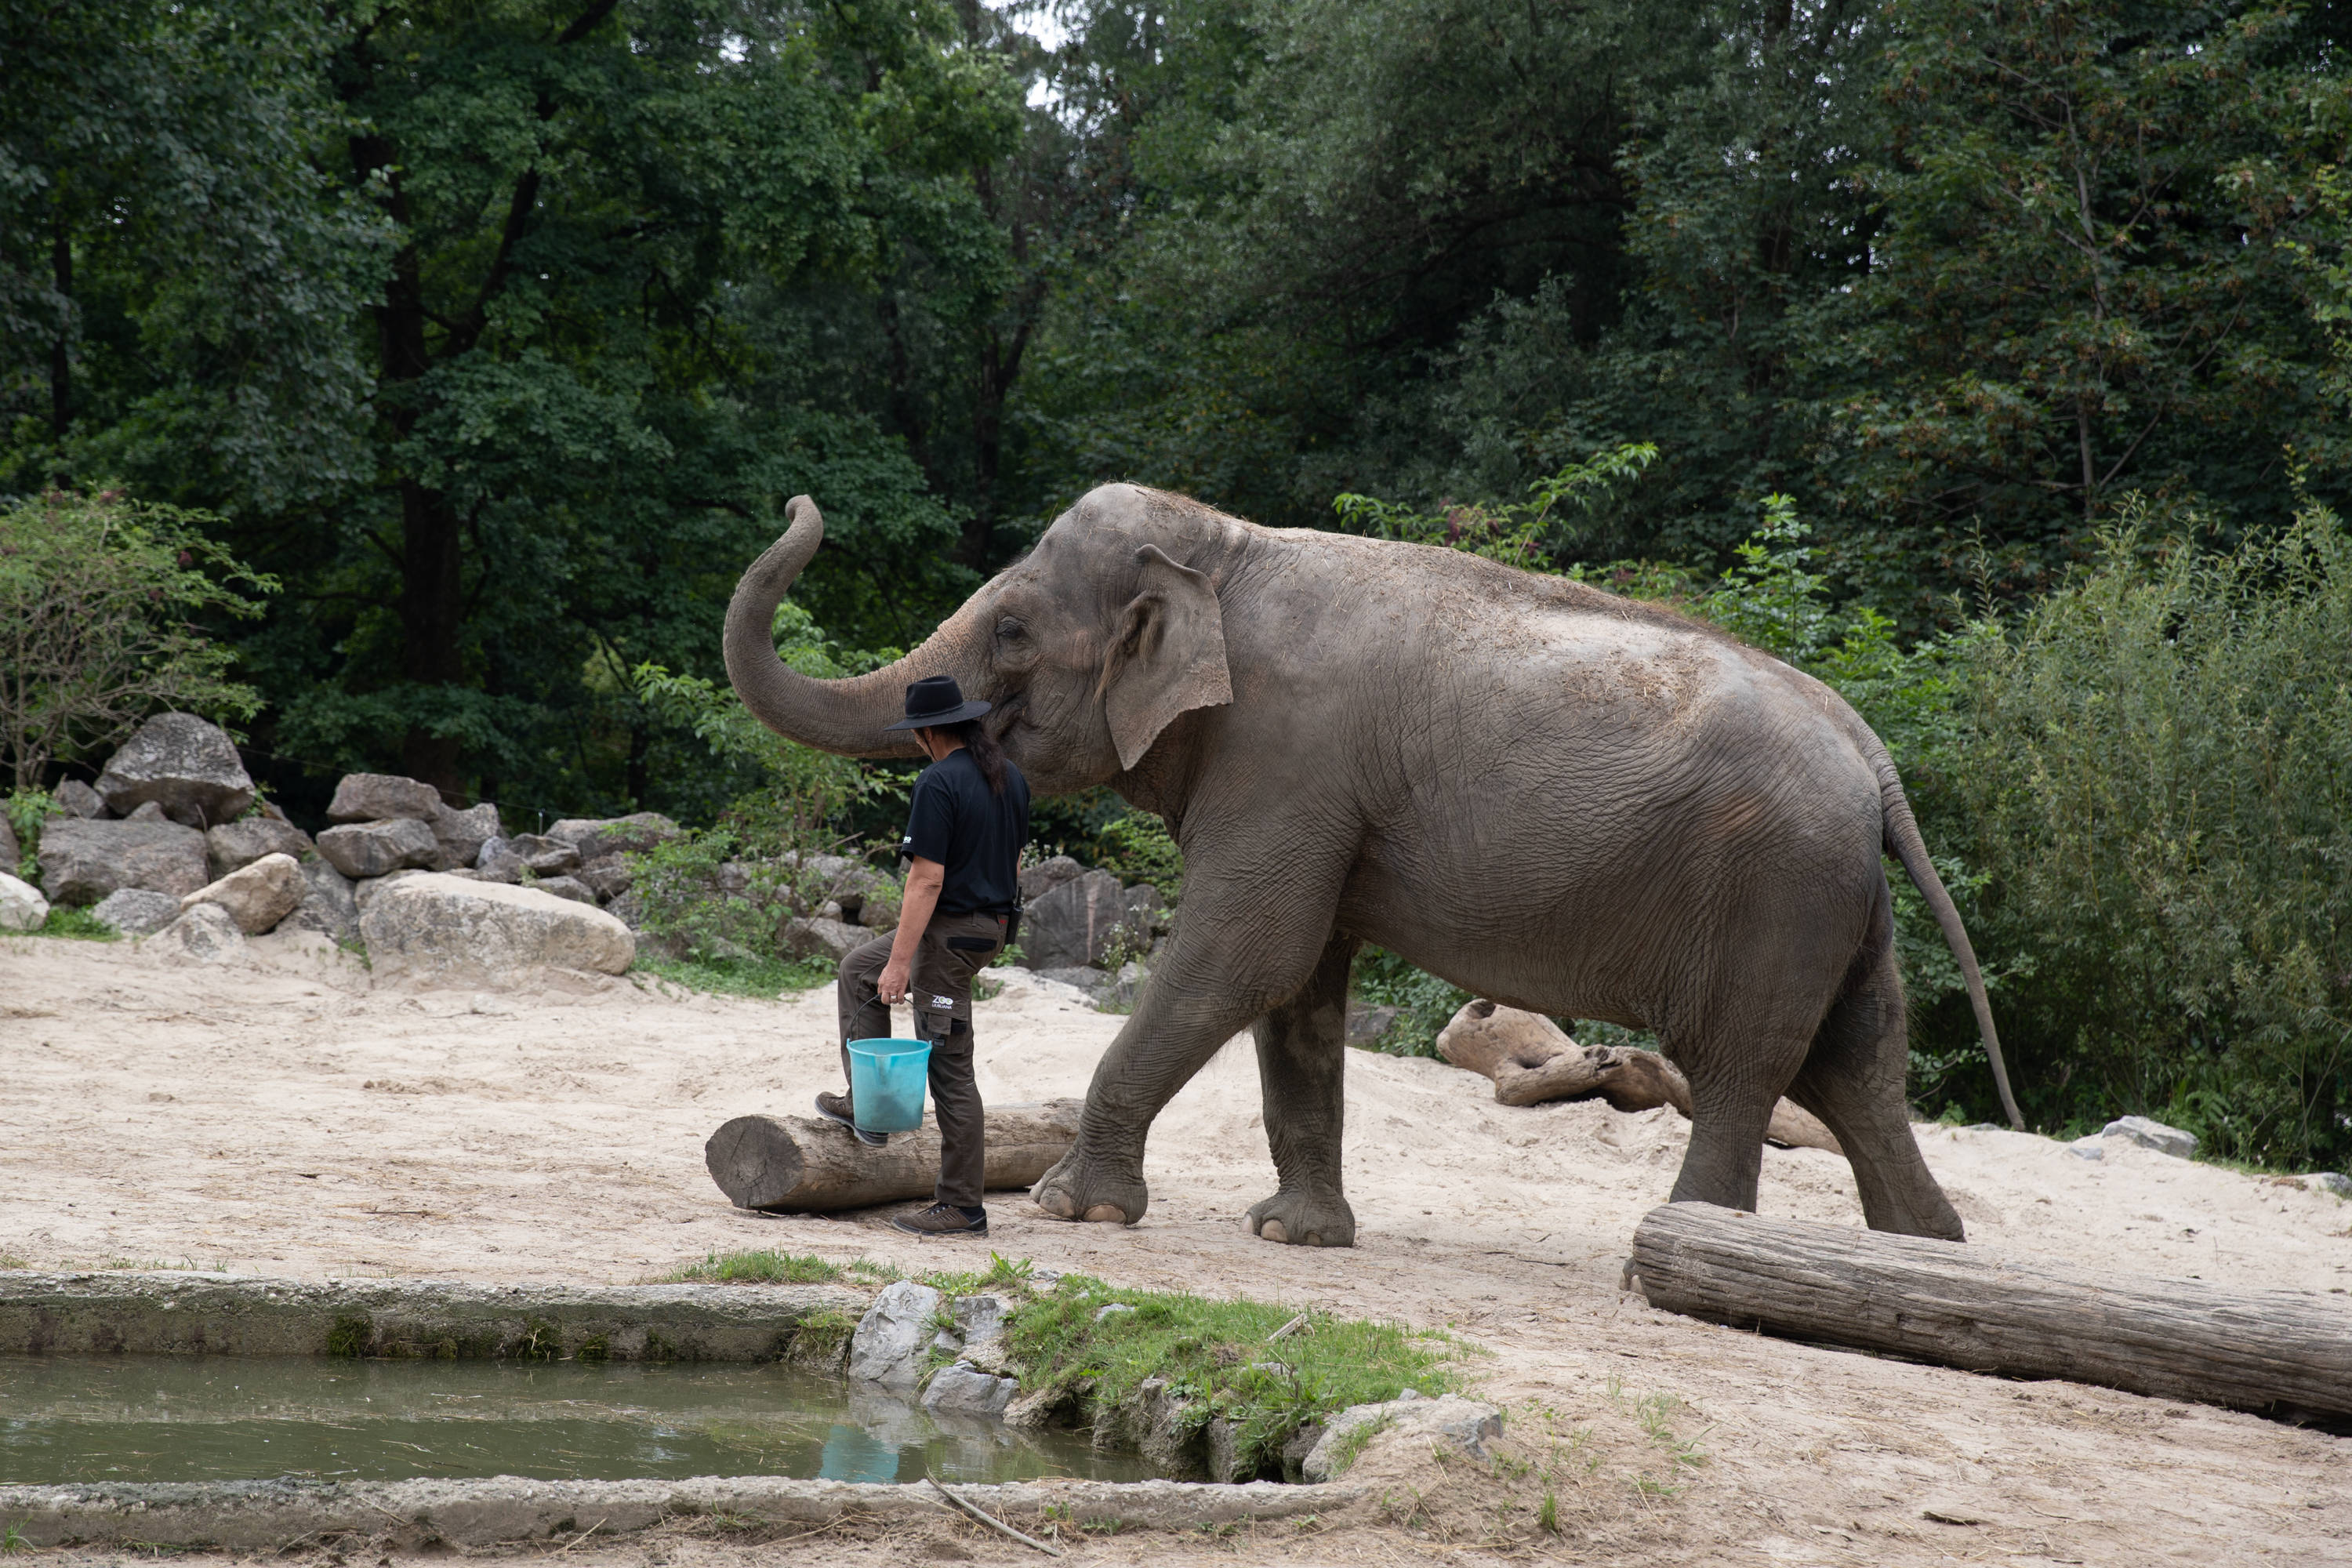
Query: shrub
[(100, 600), (2151, 769)]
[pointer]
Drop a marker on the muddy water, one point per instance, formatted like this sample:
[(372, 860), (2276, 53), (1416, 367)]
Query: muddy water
[(159, 1418)]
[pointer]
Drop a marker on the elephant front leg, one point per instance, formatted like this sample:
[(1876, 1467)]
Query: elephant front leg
[(1302, 1062), (1238, 952)]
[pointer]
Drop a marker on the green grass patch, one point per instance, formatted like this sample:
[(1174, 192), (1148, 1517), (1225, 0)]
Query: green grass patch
[(11, 1261), (762, 977), (820, 1340), (1222, 1358), (762, 1268), (77, 924)]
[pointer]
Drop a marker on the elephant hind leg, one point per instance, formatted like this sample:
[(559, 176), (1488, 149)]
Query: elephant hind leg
[(1854, 1079), (1302, 1051)]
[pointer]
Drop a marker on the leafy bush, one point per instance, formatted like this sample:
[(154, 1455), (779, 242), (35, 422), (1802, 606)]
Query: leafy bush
[(100, 598), (2151, 768), (804, 792), (1424, 1004), (1137, 848), (28, 810)]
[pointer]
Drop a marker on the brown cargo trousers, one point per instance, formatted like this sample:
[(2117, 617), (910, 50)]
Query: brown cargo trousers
[(954, 949)]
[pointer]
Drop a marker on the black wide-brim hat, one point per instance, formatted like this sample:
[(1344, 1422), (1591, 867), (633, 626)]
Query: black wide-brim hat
[(934, 700)]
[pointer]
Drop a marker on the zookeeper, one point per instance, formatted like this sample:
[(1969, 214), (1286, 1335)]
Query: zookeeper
[(965, 827)]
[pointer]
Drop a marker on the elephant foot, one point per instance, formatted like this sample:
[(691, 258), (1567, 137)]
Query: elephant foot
[(1091, 1190), (1305, 1219)]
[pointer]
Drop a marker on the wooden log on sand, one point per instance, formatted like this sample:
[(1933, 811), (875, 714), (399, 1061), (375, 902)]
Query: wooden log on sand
[(801, 1164), (1532, 1060), (2284, 1353)]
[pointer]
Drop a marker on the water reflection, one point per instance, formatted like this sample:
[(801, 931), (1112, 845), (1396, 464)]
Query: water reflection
[(157, 1418)]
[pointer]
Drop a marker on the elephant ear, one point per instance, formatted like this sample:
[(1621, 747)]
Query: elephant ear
[(1169, 654)]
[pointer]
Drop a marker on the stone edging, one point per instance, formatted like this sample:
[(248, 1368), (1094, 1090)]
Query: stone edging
[(170, 1313), (248, 1516)]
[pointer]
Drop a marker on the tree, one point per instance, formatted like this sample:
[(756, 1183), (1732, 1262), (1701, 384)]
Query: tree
[(100, 601), (2079, 288), (176, 273)]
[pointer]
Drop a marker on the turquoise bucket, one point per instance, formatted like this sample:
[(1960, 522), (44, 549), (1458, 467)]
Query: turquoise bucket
[(886, 1079)]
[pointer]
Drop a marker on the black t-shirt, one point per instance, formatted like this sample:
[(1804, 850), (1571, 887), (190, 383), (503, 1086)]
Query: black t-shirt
[(956, 820)]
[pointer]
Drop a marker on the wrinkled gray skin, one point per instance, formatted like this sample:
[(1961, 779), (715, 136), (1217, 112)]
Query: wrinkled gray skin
[(1565, 801)]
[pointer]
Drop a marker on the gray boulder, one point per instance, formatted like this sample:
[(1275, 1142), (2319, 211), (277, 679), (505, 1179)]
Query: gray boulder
[(11, 851), (258, 895), (1368, 1026), (135, 911), (328, 903), (1072, 925), (380, 848), (607, 875), (463, 833), (572, 887), (1095, 982), (815, 936), (242, 842), (597, 836), (77, 799), (364, 890), (2153, 1135), (205, 934), (542, 855), (2335, 1182), (1042, 878), (382, 797), (964, 1390), (22, 907), (449, 930), (1464, 1424), (148, 811), (893, 1335), (1146, 912), (182, 764), (83, 859)]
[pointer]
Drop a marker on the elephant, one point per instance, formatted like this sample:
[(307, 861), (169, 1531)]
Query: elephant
[(1546, 794)]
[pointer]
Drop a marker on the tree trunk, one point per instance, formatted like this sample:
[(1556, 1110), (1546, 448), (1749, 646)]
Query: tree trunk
[(2285, 1354), (798, 1164), (1532, 1060)]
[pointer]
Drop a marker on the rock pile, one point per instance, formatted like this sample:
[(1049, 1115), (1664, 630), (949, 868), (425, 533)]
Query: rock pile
[(1082, 928), (167, 846)]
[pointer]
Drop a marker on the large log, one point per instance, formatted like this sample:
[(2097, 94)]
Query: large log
[(799, 1164), (2285, 1354), (1532, 1059)]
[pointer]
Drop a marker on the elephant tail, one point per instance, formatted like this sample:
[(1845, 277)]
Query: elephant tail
[(1902, 831)]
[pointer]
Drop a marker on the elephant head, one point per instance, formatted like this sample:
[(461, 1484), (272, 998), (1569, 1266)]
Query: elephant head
[(1089, 646)]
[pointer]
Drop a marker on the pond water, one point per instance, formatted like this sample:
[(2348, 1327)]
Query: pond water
[(170, 1418)]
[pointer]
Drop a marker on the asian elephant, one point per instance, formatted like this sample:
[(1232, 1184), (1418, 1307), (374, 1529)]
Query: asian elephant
[(1568, 802)]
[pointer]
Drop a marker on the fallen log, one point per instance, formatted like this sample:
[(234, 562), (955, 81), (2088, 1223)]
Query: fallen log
[(799, 1164), (2284, 1353), (1532, 1060)]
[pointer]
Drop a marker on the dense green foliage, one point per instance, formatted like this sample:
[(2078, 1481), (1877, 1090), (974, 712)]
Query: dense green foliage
[(496, 335)]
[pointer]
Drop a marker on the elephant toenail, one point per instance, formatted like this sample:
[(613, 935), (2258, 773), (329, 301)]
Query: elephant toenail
[(1273, 1230), (1107, 1214)]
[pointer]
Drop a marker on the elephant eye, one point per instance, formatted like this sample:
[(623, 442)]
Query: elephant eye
[(1011, 630)]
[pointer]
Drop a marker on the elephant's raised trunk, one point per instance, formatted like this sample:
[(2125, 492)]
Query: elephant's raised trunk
[(842, 716)]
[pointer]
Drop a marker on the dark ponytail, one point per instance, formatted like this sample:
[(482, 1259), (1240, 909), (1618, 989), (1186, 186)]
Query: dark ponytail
[(983, 749)]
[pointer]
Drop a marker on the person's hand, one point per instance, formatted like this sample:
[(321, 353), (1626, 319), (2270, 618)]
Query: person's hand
[(892, 986)]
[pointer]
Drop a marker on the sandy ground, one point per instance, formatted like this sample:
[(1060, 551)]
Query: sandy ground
[(289, 1116)]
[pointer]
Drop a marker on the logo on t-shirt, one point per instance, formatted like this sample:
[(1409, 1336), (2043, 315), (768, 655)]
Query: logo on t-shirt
[(948, 1002)]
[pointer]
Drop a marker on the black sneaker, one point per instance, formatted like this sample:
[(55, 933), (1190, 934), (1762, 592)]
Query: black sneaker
[(835, 1107), (944, 1219)]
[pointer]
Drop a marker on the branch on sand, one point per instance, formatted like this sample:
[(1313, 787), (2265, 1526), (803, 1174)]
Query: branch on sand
[(1532, 1060)]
